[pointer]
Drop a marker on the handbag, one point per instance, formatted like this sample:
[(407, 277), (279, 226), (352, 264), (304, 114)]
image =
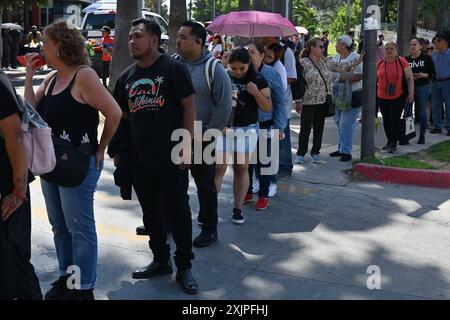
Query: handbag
[(72, 163), (407, 128), (330, 108), (357, 98)]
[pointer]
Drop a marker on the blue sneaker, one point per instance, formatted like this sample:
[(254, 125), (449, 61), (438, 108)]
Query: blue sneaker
[(299, 160), (316, 159)]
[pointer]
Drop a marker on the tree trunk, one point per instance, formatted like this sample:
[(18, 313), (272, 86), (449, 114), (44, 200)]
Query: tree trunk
[(127, 11), (442, 15), (177, 17), (260, 5), (407, 17), (244, 5), (386, 18), (279, 6)]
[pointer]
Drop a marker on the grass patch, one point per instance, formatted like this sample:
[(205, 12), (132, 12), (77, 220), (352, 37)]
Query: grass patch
[(404, 161), (440, 152)]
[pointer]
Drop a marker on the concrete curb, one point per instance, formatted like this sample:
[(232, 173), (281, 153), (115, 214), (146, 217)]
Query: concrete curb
[(416, 177)]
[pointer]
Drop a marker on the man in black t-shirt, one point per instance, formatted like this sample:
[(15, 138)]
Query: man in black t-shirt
[(157, 97), (17, 277)]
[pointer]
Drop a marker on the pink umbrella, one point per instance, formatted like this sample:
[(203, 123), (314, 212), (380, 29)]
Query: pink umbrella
[(252, 24)]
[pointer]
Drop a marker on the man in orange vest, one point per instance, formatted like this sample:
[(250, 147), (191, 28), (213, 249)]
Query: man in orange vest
[(107, 48)]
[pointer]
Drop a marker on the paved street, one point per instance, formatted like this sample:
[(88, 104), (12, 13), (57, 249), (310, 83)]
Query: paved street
[(316, 241)]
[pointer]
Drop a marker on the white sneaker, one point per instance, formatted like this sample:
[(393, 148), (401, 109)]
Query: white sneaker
[(272, 190), (299, 160), (255, 186)]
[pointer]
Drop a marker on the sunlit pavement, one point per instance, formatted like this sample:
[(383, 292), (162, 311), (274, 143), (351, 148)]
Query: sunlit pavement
[(325, 236)]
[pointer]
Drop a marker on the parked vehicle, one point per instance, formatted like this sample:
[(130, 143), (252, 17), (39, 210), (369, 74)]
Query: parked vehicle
[(94, 21)]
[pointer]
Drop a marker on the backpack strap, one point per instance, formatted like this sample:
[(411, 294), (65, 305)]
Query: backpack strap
[(210, 71)]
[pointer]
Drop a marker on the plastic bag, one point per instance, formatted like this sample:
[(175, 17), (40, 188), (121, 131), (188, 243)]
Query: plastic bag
[(342, 93)]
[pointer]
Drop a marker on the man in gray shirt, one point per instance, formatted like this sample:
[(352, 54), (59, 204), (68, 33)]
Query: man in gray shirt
[(213, 101)]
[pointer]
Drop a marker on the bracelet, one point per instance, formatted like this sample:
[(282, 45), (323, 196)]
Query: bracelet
[(19, 195)]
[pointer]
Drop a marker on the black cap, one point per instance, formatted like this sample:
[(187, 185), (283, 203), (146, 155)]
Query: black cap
[(444, 35), (106, 29)]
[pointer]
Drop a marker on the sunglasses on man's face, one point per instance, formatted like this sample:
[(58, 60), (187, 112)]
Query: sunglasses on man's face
[(430, 49)]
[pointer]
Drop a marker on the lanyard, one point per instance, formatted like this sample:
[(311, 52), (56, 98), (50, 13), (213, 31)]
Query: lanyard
[(386, 74)]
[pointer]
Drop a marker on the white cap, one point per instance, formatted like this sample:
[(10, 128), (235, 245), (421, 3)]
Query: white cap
[(346, 40)]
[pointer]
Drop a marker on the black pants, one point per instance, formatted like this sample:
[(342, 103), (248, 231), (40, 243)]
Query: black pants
[(18, 279), (105, 71), (162, 194), (6, 58), (207, 194), (312, 116), (14, 54), (392, 112)]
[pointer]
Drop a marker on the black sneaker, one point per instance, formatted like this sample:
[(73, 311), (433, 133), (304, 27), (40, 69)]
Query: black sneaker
[(238, 218), (283, 175), (393, 149), (448, 133), (386, 147), (335, 154), (404, 143), (346, 157), (421, 140), (59, 289), (79, 295), (206, 238), (435, 131)]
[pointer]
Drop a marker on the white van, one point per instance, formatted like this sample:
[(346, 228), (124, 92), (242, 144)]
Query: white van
[(93, 22)]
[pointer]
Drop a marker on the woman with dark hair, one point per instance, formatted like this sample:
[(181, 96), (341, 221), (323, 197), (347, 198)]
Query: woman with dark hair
[(69, 100), (392, 71), (250, 93), (216, 46), (317, 74), (422, 67), (274, 119)]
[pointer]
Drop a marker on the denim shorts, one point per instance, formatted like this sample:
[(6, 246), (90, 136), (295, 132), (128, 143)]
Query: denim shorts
[(239, 140)]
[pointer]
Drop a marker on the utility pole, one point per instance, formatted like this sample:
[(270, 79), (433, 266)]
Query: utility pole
[(407, 24), (371, 11), (213, 10), (159, 7)]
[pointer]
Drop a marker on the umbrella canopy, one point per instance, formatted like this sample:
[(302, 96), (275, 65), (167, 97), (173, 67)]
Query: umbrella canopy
[(302, 30), (252, 24), (101, 5), (11, 26)]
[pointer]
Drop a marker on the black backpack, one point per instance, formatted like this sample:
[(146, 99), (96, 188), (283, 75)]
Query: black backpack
[(298, 87)]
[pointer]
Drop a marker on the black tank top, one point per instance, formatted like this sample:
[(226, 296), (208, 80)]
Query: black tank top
[(69, 119)]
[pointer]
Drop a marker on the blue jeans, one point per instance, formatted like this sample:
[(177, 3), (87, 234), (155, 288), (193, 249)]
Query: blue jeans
[(421, 94), (286, 164), (440, 94), (71, 214), (346, 123)]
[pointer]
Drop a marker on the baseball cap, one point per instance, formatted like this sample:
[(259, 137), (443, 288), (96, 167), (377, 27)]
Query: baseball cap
[(346, 40)]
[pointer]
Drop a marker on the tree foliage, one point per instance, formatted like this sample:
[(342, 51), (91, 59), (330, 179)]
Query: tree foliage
[(338, 27), (152, 5)]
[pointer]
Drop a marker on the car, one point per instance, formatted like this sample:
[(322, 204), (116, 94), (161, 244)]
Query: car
[(93, 22)]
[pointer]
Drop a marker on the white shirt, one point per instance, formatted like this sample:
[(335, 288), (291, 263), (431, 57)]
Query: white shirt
[(282, 72), (291, 72), (356, 85)]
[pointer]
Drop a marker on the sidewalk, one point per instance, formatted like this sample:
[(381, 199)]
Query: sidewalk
[(317, 240)]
